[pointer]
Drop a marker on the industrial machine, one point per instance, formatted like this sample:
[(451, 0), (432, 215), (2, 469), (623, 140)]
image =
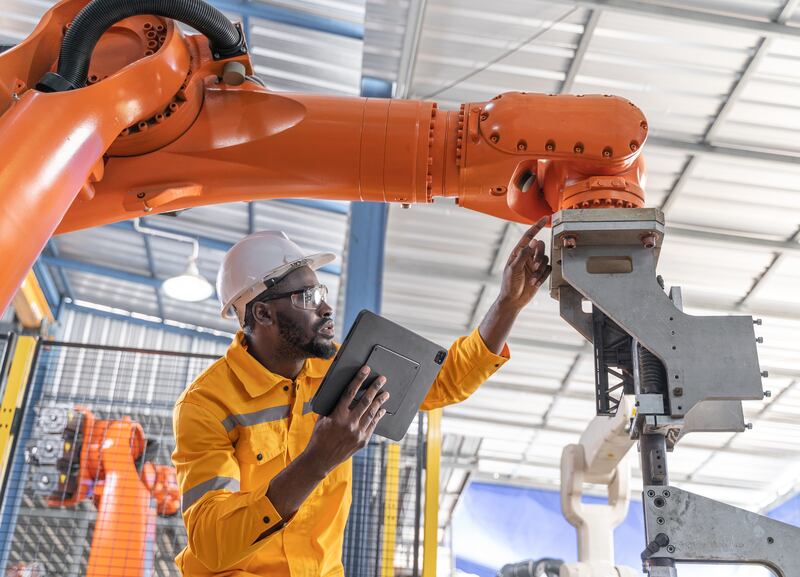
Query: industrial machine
[(150, 120), (684, 374), (74, 456)]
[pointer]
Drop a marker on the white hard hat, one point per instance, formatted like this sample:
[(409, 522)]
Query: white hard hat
[(254, 260)]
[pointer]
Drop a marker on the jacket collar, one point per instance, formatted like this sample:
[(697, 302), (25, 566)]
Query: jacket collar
[(255, 377)]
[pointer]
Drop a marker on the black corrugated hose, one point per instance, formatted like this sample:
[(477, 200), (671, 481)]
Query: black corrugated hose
[(99, 15), (541, 568)]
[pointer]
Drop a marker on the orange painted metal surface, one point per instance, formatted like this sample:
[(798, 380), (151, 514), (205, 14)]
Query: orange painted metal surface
[(160, 132), (99, 462), (125, 521)]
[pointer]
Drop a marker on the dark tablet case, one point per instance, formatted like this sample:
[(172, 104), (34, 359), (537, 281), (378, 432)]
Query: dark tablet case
[(409, 362)]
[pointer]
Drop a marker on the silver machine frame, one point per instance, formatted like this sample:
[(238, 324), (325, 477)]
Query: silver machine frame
[(688, 374)]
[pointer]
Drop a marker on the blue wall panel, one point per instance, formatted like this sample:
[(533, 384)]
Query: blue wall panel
[(498, 524)]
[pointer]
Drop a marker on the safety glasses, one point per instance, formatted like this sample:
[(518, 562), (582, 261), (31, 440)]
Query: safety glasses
[(309, 298)]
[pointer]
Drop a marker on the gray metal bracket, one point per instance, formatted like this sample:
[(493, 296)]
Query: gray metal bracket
[(706, 358), (688, 528)]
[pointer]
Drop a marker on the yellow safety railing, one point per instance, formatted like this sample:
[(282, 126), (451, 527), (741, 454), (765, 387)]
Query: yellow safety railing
[(432, 464), (390, 504), (13, 395)]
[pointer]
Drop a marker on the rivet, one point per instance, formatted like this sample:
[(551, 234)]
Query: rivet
[(649, 240)]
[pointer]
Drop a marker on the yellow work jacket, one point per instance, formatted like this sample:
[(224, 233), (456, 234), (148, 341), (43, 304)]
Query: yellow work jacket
[(237, 426)]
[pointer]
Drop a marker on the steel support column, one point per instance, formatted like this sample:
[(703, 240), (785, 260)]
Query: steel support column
[(31, 305), (363, 272)]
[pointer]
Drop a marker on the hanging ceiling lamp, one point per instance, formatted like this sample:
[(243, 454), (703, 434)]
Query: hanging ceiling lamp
[(189, 286)]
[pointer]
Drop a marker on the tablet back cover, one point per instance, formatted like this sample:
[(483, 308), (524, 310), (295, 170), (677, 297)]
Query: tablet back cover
[(409, 362)]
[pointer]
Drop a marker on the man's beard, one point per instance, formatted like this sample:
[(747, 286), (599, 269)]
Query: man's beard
[(295, 344)]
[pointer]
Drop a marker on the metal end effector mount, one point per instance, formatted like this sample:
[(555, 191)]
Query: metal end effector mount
[(687, 528), (686, 373), (689, 373)]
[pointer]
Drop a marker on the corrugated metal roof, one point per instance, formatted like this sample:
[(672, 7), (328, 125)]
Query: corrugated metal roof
[(119, 249), (681, 72)]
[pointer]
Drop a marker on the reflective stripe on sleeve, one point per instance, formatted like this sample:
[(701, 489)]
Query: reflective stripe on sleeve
[(194, 494)]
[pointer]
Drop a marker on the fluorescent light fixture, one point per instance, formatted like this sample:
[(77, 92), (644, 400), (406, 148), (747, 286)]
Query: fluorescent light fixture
[(190, 286)]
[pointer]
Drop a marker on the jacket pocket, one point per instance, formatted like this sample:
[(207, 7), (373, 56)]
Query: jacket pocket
[(259, 444)]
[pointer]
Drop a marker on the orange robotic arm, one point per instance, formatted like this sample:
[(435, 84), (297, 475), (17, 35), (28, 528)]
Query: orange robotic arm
[(98, 460), (164, 123)]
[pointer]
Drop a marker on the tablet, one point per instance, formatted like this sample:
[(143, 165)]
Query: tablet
[(409, 362)]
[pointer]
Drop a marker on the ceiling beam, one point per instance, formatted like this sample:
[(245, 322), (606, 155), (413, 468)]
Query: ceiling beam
[(290, 17), (580, 52), (205, 241), (97, 269), (750, 69), (734, 240), (763, 47), (166, 324), (680, 183), (689, 15), (408, 53), (51, 248), (728, 151), (152, 268), (768, 272)]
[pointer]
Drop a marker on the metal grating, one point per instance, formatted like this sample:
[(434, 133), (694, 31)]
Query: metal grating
[(114, 383), (366, 549)]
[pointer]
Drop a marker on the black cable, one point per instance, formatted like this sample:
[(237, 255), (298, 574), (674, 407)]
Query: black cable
[(505, 54), (98, 16)]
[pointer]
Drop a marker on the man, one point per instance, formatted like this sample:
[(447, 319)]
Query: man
[(266, 483)]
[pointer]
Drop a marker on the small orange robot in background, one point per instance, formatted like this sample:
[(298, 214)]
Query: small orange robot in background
[(97, 459)]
